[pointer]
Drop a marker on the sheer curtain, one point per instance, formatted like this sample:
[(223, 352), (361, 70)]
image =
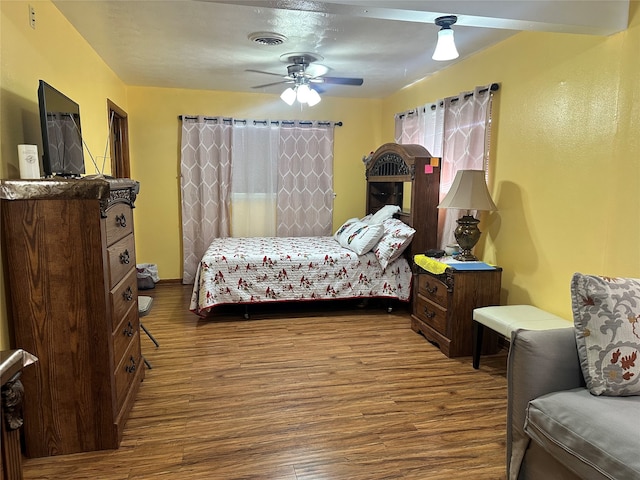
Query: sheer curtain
[(305, 173), (456, 129), (423, 126), (205, 177), (255, 179)]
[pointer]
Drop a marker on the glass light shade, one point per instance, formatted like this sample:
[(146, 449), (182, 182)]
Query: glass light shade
[(468, 192), (446, 47), (314, 97), (288, 96), (303, 93)]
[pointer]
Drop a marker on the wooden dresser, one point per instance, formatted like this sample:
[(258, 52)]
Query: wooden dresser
[(443, 307), (69, 259)]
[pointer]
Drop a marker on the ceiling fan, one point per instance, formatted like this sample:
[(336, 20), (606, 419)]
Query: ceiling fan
[(303, 71)]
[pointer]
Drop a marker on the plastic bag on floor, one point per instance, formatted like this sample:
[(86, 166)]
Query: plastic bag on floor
[(147, 275)]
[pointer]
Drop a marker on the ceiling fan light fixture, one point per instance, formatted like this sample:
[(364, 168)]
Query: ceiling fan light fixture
[(288, 96), (446, 47), (302, 94), (314, 98)]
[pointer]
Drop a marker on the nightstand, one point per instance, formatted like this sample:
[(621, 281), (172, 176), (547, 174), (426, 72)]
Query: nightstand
[(443, 303)]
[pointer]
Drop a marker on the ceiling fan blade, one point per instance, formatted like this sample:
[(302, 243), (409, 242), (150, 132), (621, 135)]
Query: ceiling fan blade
[(341, 80), (316, 70), (266, 73), (271, 84)]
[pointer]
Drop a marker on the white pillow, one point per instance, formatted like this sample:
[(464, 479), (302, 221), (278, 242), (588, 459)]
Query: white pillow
[(383, 214), (359, 236), (396, 238), (343, 227)]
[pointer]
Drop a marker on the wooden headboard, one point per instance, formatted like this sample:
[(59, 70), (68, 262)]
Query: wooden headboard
[(392, 168)]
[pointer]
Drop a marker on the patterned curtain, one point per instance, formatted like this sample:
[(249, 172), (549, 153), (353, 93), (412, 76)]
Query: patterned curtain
[(410, 127), (465, 146), (456, 129), (205, 173), (305, 174)]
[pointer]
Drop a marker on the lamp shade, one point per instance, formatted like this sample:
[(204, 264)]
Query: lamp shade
[(469, 192), (446, 46)]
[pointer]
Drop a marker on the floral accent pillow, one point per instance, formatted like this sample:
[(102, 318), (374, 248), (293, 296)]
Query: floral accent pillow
[(397, 237), (606, 314)]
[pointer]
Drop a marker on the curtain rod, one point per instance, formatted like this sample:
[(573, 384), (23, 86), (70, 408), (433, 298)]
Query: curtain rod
[(494, 87), (264, 122)]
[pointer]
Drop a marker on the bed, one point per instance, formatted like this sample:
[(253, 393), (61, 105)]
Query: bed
[(347, 265)]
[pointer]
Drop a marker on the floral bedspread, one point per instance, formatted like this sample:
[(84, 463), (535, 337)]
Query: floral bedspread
[(276, 269)]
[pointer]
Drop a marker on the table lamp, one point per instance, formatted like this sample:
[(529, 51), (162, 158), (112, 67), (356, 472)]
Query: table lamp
[(468, 192)]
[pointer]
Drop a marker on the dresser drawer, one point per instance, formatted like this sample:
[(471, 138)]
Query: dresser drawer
[(119, 222), (431, 314), (123, 335), (124, 296), (126, 370), (433, 289), (121, 257)]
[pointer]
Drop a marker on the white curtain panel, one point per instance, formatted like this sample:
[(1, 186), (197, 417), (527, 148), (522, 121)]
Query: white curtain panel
[(433, 128), (423, 126), (254, 178), (205, 178), (465, 146), (305, 175), (409, 127)]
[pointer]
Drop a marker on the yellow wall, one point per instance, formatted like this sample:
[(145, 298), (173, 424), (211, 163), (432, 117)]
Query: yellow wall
[(56, 53), (565, 156), (565, 167), (154, 130)]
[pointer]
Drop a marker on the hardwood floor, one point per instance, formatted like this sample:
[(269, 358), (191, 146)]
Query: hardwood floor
[(337, 393)]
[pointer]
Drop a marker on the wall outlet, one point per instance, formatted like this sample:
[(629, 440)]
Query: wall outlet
[(32, 17)]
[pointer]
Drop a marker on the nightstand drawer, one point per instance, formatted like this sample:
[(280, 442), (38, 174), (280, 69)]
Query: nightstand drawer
[(431, 314), (443, 305), (433, 289)]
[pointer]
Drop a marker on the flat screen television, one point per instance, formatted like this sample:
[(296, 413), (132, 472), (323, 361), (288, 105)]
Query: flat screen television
[(61, 133)]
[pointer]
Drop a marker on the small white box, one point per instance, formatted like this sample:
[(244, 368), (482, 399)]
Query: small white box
[(28, 159)]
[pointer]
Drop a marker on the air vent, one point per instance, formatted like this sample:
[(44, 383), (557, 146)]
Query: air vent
[(267, 38)]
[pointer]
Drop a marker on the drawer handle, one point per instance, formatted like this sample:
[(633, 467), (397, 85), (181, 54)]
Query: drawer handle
[(128, 294), (121, 220), (128, 331), (132, 365), (428, 313), (431, 290), (124, 257)]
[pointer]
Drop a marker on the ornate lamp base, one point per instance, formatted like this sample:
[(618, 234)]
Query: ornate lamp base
[(467, 235)]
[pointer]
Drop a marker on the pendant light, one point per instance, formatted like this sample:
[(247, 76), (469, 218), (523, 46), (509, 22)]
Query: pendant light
[(446, 47)]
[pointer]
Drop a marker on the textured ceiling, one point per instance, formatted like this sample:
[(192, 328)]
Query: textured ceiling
[(204, 44)]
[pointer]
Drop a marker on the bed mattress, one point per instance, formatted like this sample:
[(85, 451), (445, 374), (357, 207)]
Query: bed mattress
[(277, 269)]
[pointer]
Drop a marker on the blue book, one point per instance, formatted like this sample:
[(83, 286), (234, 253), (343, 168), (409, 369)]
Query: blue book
[(470, 266)]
